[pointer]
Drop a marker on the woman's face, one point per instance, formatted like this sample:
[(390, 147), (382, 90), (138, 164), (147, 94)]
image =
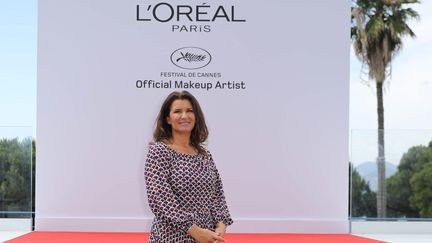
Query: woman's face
[(181, 117)]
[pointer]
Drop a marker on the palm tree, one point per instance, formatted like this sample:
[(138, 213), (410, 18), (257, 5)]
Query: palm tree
[(377, 30)]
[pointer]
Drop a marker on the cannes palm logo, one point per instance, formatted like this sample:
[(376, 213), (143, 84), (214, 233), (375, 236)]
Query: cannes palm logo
[(190, 58)]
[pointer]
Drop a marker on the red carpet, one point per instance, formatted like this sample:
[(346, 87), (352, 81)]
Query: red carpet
[(75, 237)]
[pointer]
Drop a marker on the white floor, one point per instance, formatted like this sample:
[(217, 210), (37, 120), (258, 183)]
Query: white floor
[(9, 235), (399, 238), (393, 238)]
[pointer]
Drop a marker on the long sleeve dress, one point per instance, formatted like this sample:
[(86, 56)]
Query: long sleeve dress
[(183, 190)]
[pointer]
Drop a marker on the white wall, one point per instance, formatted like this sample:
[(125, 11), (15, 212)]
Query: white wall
[(281, 144)]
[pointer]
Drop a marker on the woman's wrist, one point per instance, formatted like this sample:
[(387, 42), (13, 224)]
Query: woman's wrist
[(220, 228), (194, 230), (221, 225)]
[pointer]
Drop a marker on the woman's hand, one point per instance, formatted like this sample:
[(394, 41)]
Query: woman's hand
[(204, 235), (220, 228)]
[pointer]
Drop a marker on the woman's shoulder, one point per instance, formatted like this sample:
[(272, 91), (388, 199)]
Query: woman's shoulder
[(157, 147), (158, 151), (207, 152), (155, 144)]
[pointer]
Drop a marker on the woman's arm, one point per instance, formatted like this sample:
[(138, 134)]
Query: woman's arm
[(162, 200), (219, 208)]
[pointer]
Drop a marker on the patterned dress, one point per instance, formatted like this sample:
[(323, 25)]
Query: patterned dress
[(183, 190)]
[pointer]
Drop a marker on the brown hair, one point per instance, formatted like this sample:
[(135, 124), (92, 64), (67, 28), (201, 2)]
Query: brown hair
[(163, 130)]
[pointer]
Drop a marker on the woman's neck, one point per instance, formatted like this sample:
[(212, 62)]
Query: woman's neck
[(181, 143), (181, 140)]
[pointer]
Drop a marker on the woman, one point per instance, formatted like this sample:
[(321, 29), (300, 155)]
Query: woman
[(184, 188)]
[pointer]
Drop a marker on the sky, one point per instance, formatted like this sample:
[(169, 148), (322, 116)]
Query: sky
[(407, 99), (18, 33)]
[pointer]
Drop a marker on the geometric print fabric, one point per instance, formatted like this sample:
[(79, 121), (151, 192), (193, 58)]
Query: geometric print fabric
[(183, 190)]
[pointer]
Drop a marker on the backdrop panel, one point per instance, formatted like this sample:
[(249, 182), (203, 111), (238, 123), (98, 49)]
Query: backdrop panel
[(272, 78)]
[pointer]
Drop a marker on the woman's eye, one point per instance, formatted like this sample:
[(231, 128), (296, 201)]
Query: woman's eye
[(190, 110)]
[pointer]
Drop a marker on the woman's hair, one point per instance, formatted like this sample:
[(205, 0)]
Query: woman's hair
[(163, 130)]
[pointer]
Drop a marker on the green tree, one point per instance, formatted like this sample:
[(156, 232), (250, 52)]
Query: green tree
[(33, 197), (377, 30), (15, 176), (421, 184), (400, 186), (363, 202)]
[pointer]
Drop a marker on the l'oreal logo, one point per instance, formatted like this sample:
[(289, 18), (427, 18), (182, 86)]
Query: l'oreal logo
[(190, 58), (165, 12)]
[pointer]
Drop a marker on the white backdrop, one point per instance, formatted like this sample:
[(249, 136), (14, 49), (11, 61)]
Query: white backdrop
[(280, 139)]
